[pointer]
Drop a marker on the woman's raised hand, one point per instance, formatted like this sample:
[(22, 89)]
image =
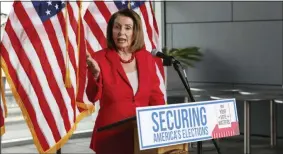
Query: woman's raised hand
[(93, 65)]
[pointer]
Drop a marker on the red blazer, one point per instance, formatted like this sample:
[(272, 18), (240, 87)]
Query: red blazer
[(113, 89)]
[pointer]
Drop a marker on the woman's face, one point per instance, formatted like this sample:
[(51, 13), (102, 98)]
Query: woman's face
[(123, 30)]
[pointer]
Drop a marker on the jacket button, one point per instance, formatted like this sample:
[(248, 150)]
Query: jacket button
[(133, 100)]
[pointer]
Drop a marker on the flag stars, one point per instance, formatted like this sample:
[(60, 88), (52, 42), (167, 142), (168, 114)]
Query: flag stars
[(56, 6), (132, 3), (123, 2), (49, 3), (47, 12)]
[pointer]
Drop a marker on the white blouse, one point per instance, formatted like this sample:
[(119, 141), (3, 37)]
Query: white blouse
[(133, 78)]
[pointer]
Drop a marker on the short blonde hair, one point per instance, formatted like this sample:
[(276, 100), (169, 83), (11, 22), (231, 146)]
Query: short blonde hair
[(138, 38)]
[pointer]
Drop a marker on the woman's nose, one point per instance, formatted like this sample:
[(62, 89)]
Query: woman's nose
[(122, 31)]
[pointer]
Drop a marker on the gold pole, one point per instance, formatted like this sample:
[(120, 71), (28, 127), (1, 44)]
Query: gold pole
[(78, 49), (79, 40), (67, 77)]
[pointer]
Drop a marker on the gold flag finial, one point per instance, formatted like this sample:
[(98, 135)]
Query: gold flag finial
[(129, 4)]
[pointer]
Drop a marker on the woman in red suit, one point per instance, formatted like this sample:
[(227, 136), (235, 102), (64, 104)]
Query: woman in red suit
[(122, 77)]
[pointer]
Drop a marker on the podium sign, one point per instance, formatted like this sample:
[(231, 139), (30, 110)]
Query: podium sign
[(165, 125)]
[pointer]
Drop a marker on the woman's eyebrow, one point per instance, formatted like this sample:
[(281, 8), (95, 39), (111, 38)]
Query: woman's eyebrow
[(117, 23)]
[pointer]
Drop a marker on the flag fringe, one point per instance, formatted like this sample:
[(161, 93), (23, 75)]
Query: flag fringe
[(18, 99), (2, 130), (65, 139), (89, 107), (21, 105)]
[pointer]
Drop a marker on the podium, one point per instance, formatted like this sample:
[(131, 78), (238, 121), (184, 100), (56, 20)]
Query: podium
[(131, 123)]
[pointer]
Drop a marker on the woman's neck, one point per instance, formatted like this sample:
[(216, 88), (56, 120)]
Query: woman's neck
[(124, 53)]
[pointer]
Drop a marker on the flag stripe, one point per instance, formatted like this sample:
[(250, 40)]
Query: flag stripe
[(111, 7), (70, 59), (104, 10), (161, 82), (99, 18), (56, 105), (73, 23), (57, 75), (72, 96), (82, 64), (35, 65), (151, 20), (73, 42), (92, 43), (36, 43), (74, 11), (21, 81), (85, 98), (154, 20), (89, 48), (55, 45), (60, 34), (24, 61), (95, 29), (148, 28), (146, 38), (77, 47)]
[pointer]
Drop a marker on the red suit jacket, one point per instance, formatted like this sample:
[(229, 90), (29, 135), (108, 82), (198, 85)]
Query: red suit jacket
[(117, 100)]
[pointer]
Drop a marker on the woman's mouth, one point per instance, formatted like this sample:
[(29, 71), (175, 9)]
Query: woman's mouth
[(121, 40)]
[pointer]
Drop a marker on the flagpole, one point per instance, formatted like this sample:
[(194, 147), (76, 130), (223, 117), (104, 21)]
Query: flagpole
[(78, 48)]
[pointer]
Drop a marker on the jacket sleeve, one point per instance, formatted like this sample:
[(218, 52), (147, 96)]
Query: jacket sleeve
[(157, 95), (94, 87)]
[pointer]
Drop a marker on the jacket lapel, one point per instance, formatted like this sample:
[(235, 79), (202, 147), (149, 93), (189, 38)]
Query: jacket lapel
[(114, 59), (142, 65)]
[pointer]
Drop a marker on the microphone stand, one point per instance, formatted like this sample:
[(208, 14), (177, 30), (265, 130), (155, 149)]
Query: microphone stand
[(177, 65)]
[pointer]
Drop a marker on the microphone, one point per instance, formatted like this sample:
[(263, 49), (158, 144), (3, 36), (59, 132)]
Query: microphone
[(159, 54), (171, 60), (168, 60)]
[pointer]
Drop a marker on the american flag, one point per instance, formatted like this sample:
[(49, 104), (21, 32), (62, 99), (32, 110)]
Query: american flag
[(97, 16), (41, 44)]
